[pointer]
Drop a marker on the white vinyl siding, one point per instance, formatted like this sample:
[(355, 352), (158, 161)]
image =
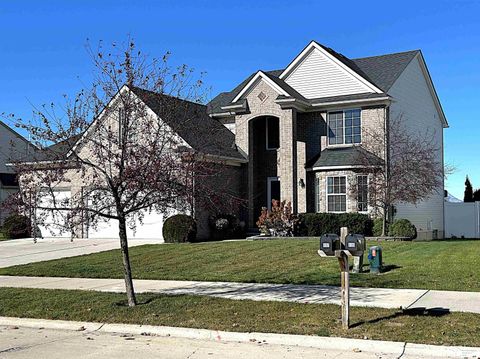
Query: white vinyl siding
[(414, 103), (318, 76)]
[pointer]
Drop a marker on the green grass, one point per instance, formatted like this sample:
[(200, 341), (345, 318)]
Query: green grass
[(445, 265), (242, 316)]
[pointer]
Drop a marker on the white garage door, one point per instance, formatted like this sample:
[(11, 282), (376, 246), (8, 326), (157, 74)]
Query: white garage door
[(150, 228), (53, 223)]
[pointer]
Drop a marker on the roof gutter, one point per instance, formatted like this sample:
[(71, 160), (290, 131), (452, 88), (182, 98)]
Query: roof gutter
[(335, 168), (293, 102), (228, 158), (36, 163), (347, 102)]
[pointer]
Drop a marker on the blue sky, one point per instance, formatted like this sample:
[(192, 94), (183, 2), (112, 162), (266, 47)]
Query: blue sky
[(43, 47)]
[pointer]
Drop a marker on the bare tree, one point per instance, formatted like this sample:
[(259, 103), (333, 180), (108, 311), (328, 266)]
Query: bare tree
[(124, 147), (412, 172)]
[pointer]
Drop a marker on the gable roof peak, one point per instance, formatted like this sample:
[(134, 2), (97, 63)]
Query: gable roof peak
[(340, 60)]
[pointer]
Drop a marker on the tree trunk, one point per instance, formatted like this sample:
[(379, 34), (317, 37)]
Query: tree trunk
[(384, 222), (132, 301)]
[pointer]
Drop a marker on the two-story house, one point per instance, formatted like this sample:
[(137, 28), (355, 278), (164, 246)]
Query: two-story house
[(295, 134), (300, 128)]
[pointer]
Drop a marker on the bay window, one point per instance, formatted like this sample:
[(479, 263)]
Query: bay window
[(362, 193), (317, 195), (337, 194)]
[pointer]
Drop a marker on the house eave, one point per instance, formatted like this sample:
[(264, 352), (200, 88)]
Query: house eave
[(221, 114), (340, 168), (291, 102), (237, 108), (379, 100)]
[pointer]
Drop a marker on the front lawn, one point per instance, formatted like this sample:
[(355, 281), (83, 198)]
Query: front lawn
[(242, 316), (445, 265)]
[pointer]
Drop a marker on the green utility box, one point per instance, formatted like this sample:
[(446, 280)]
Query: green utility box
[(375, 259)]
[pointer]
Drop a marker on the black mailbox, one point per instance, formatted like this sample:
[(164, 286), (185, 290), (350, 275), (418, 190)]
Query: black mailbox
[(329, 243), (355, 244)]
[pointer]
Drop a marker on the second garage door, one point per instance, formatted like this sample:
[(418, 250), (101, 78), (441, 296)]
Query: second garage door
[(150, 228)]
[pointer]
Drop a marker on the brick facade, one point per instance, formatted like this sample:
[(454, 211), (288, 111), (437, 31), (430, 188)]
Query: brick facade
[(286, 154), (303, 135)]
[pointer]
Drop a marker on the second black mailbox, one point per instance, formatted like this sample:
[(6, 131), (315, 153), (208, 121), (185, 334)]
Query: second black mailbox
[(355, 244), (329, 243)]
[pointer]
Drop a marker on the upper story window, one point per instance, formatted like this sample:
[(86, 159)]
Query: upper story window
[(272, 130), (121, 123), (344, 127), (126, 128)]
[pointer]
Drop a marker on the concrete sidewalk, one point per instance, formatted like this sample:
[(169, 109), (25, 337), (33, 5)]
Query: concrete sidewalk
[(361, 297), (23, 251)]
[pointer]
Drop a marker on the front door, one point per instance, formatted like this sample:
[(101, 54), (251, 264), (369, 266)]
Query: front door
[(273, 190)]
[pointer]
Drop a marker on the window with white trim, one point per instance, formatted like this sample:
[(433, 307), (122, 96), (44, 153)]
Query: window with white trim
[(317, 194), (121, 123), (337, 194), (362, 193), (344, 127)]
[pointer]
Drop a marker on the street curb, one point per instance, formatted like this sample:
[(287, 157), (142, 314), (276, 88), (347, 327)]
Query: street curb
[(328, 343)]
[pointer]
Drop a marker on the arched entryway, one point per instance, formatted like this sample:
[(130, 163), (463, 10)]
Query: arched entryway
[(264, 179)]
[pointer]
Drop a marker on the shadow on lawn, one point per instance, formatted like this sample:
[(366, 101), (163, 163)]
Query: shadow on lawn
[(385, 269), (411, 312)]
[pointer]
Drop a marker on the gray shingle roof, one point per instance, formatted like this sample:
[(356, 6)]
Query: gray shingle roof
[(225, 98), (381, 70), (191, 122), (384, 70), (344, 156)]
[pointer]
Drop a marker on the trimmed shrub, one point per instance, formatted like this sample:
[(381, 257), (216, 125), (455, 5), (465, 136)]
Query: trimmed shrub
[(179, 228), (316, 224), (16, 226), (226, 226), (378, 226), (403, 228)]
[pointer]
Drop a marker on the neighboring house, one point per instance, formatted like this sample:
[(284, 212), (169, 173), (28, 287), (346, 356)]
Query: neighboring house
[(12, 147), (301, 127)]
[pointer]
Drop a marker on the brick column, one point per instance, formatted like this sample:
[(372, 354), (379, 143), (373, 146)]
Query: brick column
[(287, 158)]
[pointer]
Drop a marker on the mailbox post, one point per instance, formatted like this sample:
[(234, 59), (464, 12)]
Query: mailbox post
[(343, 247), (342, 256)]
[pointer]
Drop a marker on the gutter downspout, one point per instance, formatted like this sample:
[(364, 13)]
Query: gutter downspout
[(386, 111)]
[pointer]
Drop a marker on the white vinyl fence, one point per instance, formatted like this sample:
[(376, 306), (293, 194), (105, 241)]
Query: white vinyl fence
[(462, 220)]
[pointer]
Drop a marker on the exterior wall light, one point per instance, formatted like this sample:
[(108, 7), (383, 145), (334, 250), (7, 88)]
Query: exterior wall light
[(301, 183)]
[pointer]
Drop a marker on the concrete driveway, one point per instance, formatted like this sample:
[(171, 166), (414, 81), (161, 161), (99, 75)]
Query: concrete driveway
[(23, 251)]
